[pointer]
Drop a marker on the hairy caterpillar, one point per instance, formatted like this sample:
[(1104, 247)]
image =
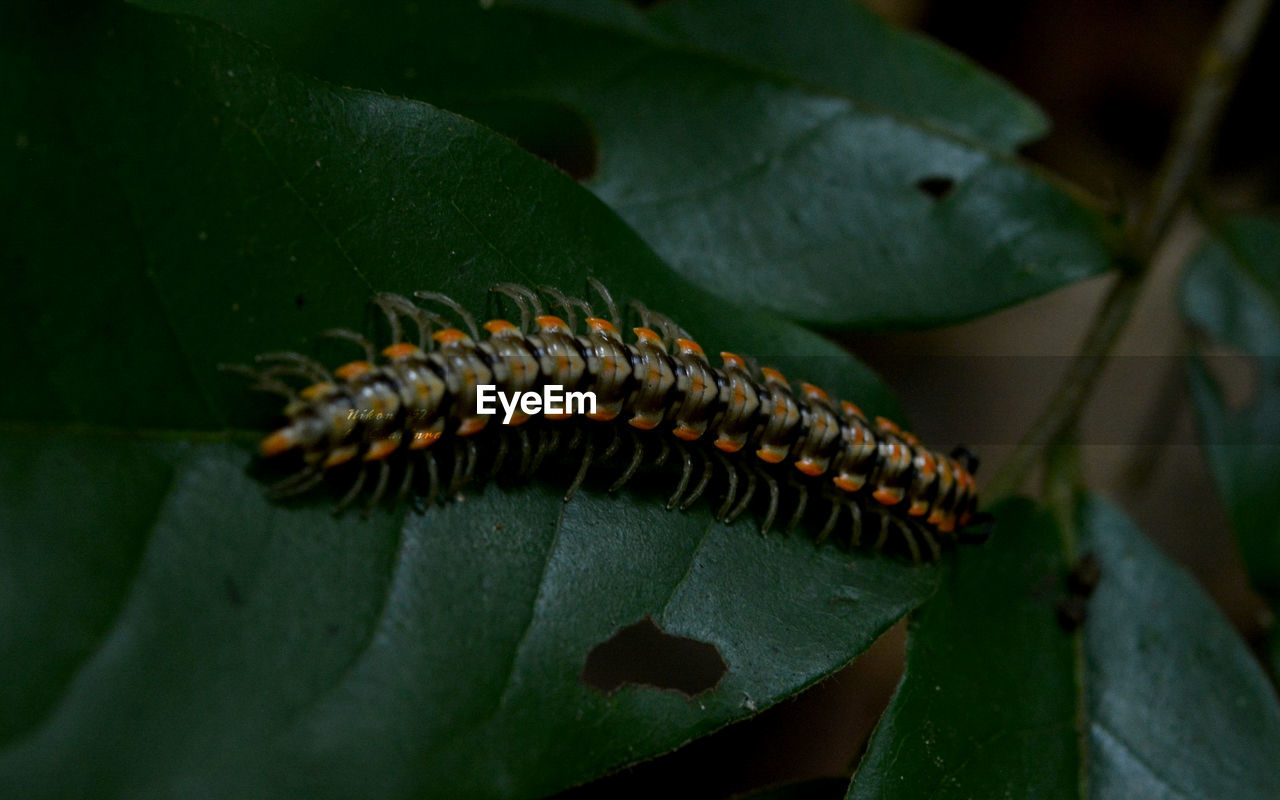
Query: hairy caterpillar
[(658, 393)]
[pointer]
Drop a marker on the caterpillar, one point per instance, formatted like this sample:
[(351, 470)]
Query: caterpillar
[(656, 392)]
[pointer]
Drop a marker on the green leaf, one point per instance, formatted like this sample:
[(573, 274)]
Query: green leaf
[(1177, 704), (183, 202), (1170, 701), (840, 48), (987, 707), (1231, 293), (836, 190)]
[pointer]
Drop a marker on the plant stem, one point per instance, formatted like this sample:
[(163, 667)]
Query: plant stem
[(1186, 156)]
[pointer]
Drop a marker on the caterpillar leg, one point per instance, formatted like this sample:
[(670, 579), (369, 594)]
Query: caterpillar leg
[(575, 439), (833, 517), (614, 317), (406, 482), (395, 306), (468, 467), (499, 456), (732, 472), (884, 533), (701, 487), (802, 500), (303, 366), (773, 501), (433, 480), (297, 483), (467, 320), (587, 451), (568, 304), (855, 523), (526, 454), (526, 301), (548, 443), (750, 492), (912, 545), (663, 451), (261, 382), (931, 542), (659, 322), (464, 465), (615, 441), (370, 354), (352, 493), (637, 458), (686, 471), (379, 488)]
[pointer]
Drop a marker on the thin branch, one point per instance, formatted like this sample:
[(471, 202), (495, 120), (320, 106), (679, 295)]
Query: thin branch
[(1186, 156)]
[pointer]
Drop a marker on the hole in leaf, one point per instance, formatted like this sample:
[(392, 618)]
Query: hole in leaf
[(643, 654), (936, 187), (551, 131)]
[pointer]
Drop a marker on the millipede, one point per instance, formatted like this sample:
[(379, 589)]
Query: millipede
[(658, 395)]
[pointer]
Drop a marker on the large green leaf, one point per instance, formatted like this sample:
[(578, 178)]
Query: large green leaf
[(812, 160), (987, 707), (181, 201), (1232, 294), (1177, 704), (1166, 696)]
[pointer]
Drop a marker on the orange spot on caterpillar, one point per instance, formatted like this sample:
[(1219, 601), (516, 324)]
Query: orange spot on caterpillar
[(732, 360), (772, 375), (422, 439), (472, 425), (728, 445), (686, 433), (689, 347), (813, 392), (771, 454), (401, 350), (647, 335), (600, 325), (383, 448), (278, 442), (810, 467), (550, 322), (888, 496), (849, 483), (315, 390), (352, 370), (449, 336), (499, 326), (645, 423), (341, 455)]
